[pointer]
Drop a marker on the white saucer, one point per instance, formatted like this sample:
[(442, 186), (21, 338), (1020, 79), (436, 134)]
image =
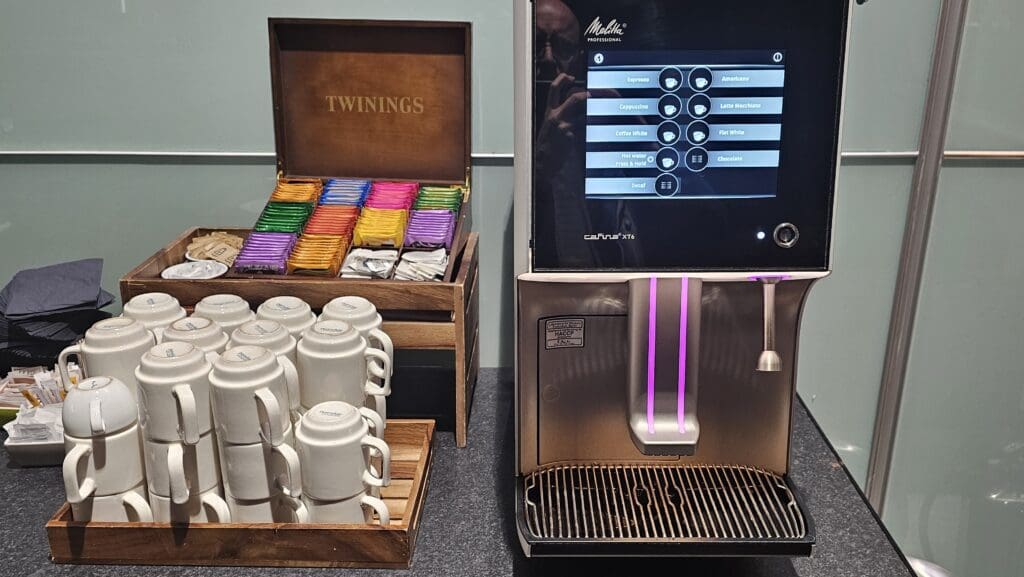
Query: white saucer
[(193, 270)]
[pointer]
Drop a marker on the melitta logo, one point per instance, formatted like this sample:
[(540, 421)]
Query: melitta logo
[(613, 236), (612, 29)]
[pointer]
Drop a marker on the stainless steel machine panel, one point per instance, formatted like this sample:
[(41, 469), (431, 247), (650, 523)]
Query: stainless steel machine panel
[(573, 402)]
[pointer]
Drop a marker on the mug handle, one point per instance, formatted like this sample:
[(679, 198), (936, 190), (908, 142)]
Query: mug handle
[(299, 508), (385, 343), (77, 492), (375, 444), (219, 509), (291, 377), (186, 402), (158, 334), (371, 387), (380, 406), (212, 356), (138, 506), (293, 475), (378, 506), (269, 413), (62, 363), (374, 420), (176, 473), (96, 416)]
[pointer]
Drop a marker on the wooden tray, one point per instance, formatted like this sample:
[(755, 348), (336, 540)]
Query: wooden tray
[(267, 544)]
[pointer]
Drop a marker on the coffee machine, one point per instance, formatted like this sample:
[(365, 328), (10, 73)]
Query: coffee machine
[(676, 167)]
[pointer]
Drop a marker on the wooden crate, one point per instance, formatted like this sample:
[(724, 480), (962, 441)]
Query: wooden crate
[(417, 315), (267, 544)]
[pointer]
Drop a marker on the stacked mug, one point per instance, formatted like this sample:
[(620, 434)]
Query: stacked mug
[(228, 311), (334, 445), (249, 393), (111, 348), (178, 439), (154, 310), (335, 363), (273, 336), (293, 313), (362, 314), (200, 331), (103, 468)]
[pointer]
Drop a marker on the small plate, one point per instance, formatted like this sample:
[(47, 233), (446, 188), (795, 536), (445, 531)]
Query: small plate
[(195, 270)]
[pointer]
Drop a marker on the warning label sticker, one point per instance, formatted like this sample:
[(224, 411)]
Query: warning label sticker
[(563, 333)]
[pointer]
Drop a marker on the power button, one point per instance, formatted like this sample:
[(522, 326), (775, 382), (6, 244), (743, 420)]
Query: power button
[(786, 235)]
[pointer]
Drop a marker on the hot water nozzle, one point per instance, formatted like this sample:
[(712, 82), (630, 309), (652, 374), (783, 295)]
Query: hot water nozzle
[(769, 360)]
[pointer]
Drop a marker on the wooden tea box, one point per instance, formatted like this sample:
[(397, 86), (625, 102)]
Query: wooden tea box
[(376, 100)]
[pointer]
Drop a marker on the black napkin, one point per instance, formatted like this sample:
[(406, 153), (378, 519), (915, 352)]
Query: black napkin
[(65, 287)]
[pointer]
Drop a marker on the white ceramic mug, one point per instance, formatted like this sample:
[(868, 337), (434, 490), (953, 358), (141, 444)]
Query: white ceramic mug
[(127, 506), (205, 507), (174, 392), (333, 365), (267, 334), (101, 466), (358, 509), (154, 310), (98, 406), (372, 418), (180, 471), (228, 311), (277, 509), (334, 443), (363, 315), (200, 331), (259, 471), (292, 312), (111, 348), (250, 392)]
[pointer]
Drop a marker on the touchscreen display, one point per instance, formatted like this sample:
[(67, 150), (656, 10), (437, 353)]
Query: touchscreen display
[(684, 124), (684, 136)]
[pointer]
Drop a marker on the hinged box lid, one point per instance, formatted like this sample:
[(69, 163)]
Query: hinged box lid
[(371, 99)]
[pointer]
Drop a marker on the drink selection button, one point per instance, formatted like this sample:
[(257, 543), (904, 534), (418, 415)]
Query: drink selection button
[(666, 185), (697, 132), (668, 133), (696, 159), (667, 159), (669, 106), (698, 106), (700, 79), (671, 79)]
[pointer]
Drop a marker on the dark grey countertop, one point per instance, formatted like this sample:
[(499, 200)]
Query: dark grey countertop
[(467, 526)]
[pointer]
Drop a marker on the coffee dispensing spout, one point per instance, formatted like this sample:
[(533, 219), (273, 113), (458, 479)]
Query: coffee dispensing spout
[(769, 360), (664, 357)]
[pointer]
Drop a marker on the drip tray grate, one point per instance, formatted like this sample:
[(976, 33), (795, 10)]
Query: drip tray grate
[(659, 503)]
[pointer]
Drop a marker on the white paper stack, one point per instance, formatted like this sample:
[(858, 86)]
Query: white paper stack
[(422, 265), (366, 263), (36, 424)]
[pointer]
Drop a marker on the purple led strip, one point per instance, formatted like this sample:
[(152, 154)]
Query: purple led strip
[(684, 292), (652, 323)]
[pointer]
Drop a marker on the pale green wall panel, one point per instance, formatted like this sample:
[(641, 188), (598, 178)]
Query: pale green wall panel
[(121, 212), (987, 112), (194, 74), (956, 490), (846, 318), (887, 73)]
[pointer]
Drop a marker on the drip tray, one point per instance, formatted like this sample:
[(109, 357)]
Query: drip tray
[(652, 509)]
